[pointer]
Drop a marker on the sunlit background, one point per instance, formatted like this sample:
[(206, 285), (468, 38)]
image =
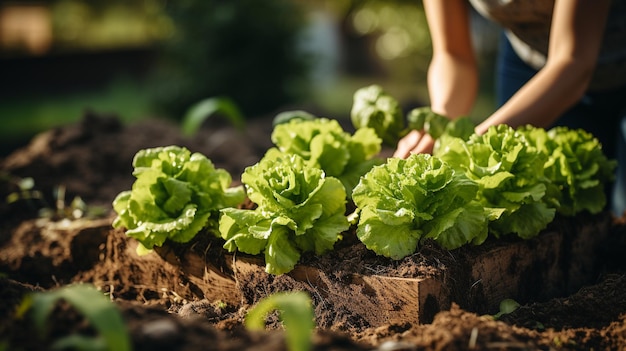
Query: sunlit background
[(154, 58)]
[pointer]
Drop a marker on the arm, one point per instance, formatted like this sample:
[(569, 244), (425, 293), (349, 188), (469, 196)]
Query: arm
[(452, 73), (575, 38)]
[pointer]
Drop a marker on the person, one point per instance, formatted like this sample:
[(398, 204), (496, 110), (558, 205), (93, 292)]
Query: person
[(560, 62)]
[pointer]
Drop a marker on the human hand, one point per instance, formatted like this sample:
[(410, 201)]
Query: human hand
[(416, 142)]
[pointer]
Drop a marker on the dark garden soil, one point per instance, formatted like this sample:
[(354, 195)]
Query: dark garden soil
[(165, 310)]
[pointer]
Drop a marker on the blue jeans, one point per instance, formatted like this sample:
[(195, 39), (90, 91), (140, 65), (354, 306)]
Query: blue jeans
[(602, 114)]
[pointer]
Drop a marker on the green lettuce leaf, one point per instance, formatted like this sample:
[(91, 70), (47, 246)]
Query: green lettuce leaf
[(176, 194), (299, 209), (577, 168), (403, 202), (372, 107), (509, 172), (323, 144)]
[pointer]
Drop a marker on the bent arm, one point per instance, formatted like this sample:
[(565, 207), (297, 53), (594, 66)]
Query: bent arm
[(453, 72), (575, 38)]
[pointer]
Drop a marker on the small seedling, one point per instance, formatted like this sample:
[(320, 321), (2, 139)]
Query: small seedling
[(27, 193), (200, 111), (506, 306), (296, 314), (92, 304)]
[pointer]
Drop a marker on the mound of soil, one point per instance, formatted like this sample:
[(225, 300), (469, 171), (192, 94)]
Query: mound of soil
[(164, 309)]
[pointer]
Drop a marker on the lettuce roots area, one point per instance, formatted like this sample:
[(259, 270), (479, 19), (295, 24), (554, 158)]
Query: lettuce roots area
[(164, 307)]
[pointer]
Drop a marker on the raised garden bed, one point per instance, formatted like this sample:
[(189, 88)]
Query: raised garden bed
[(38, 254), (559, 261)]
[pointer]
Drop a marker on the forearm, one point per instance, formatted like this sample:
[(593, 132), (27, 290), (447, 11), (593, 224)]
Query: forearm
[(545, 97), (575, 38), (453, 73), (452, 85)]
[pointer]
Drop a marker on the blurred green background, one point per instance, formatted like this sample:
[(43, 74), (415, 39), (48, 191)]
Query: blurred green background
[(154, 58)]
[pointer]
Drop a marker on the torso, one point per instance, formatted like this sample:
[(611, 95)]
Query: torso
[(527, 25)]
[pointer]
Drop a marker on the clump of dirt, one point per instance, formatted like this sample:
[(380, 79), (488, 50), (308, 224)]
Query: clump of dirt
[(166, 306)]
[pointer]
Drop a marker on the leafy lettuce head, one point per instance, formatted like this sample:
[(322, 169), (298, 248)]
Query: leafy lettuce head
[(323, 143), (576, 166), (176, 194), (373, 107), (405, 201), (509, 172), (299, 209)]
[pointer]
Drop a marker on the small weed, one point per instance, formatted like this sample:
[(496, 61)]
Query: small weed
[(206, 108), (92, 304), (506, 306), (34, 199), (295, 312)]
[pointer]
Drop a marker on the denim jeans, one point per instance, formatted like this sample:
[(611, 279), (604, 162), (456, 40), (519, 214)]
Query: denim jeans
[(602, 114)]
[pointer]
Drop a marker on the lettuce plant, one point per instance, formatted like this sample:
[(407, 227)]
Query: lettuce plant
[(323, 144), (175, 196), (436, 125), (576, 166), (374, 108), (408, 200), (299, 209), (510, 174)]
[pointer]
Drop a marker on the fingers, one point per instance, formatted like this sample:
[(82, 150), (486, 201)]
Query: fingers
[(407, 144), (415, 142), (425, 145)]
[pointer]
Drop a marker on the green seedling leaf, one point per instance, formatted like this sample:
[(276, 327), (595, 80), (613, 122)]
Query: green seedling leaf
[(506, 306), (98, 310), (287, 116), (206, 108), (296, 313), (13, 197), (27, 183), (26, 191)]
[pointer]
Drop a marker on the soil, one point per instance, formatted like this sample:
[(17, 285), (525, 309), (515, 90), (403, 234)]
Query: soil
[(45, 244)]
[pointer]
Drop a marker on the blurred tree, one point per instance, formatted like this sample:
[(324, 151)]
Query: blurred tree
[(246, 50), (396, 34), (107, 24)]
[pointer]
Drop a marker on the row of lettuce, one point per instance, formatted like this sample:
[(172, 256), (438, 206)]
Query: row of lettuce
[(504, 182)]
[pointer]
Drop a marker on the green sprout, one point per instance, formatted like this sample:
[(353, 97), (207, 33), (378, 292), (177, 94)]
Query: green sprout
[(100, 312), (25, 191), (296, 314), (506, 306), (200, 111)]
